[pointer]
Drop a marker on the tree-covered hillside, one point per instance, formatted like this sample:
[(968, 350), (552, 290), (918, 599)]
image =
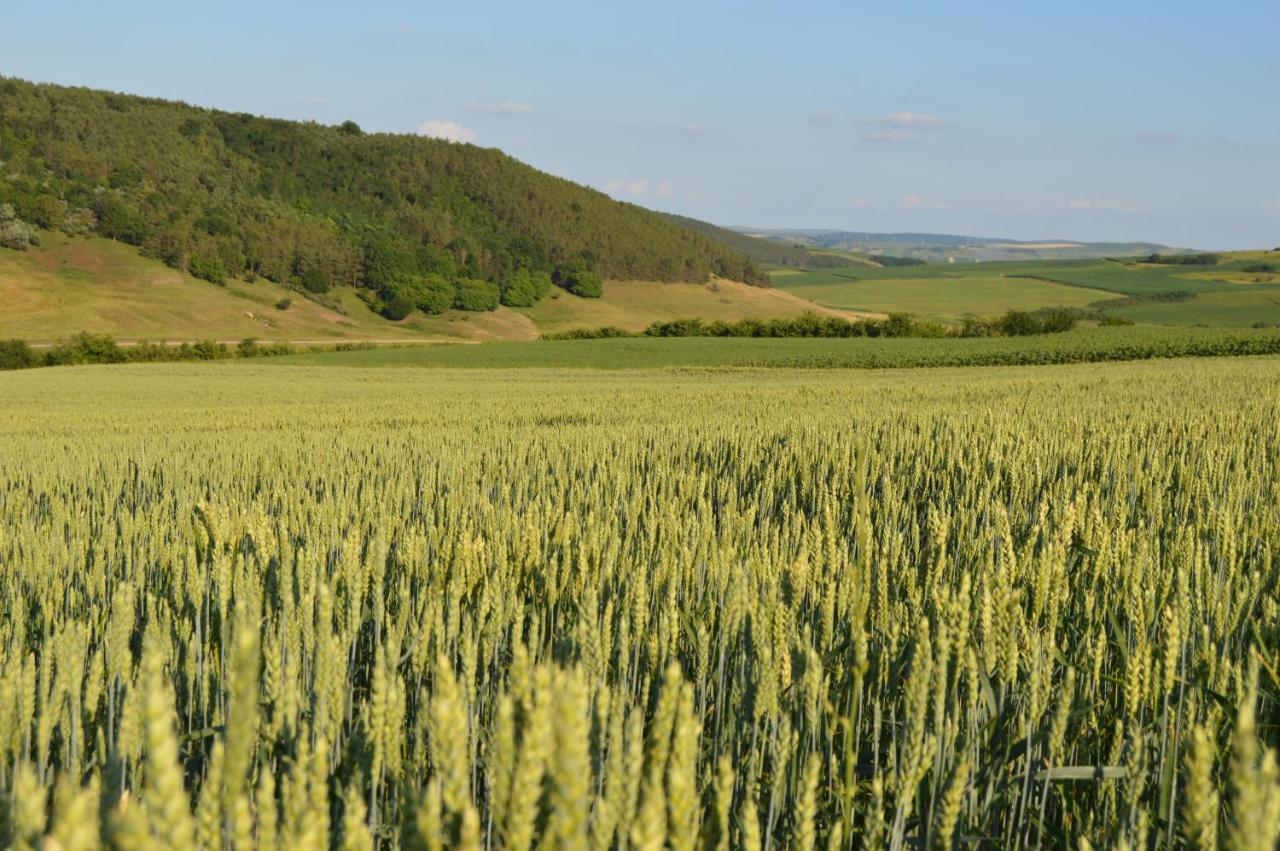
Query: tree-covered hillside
[(225, 194)]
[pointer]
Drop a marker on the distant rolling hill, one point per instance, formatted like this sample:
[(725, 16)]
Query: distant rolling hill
[(763, 250), (951, 248)]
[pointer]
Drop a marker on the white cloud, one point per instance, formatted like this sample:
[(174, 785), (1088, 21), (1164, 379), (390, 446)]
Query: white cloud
[(913, 201), (504, 107), (695, 127), (318, 100), (1158, 137), (637, 186), (450, 131), (862, 203), (823, 116), (1092, 205), (406, 28), (889, 134), (905, 126), (919, 121)]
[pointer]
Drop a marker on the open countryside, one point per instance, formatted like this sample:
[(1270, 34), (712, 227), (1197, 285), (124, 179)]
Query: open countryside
[(442, 428)]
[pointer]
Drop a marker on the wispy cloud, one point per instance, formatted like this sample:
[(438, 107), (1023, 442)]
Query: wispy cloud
[(913, 201), (903, 126), (863, 203), (695, 127), (318, 100), (918, 121), (450, 131), (1097, 206), (823, 116), (503, 107), (407, 29)]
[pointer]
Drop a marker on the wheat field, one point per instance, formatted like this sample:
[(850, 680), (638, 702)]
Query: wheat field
[(248, 606)]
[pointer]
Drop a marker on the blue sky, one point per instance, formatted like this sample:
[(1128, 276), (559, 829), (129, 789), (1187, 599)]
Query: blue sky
[(1116, 121)]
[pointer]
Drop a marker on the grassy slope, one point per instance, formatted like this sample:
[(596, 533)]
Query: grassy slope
[(105, 287), (72, 285)]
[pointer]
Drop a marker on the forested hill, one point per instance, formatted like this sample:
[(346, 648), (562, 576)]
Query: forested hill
[(314, 206)]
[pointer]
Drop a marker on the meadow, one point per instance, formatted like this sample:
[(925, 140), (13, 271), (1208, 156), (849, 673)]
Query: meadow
[(256, 605), (1223, 295)]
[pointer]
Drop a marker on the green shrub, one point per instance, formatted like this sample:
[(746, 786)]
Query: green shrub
[(433, 293), (85, 348), (209, 350), (1114, 319), (578, 278), (284, 304), (1019, 323), (606, 332), (1056, 321), (15, 233), (523, 288), (211, 269), (476, 295), (16, 354), (398, 306)]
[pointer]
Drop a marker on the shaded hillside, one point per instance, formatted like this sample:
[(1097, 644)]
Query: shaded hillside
[(312, 207)]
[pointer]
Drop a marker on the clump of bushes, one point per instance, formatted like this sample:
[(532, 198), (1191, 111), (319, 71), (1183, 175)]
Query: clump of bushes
[(602, 333), (523, 288), (284, 304), (578, 278), (1014, 323), (16, 354), (85, 348), (14, 232), (209, 269), (1183, 259), (476, 295)]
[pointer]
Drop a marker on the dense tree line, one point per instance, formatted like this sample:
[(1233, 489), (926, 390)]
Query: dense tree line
[(1183, 259), (86, 348), (887, 260), (309, 206), (1014, 323)]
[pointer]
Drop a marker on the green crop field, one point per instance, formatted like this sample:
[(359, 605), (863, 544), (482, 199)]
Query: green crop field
[(1241, 307), (943, 298), (1220, 296), (1090, 344), (296, 607)]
